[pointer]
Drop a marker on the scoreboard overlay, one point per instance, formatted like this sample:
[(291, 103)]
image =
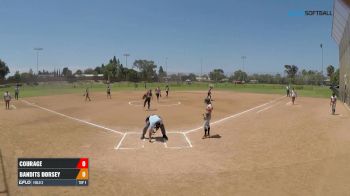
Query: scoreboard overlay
[(53, 171)]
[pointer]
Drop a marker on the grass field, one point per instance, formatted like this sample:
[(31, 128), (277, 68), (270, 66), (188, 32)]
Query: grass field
[(79, 87)]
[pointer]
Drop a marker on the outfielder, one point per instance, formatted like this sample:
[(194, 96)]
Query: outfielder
[(293, 95), (7, 99)]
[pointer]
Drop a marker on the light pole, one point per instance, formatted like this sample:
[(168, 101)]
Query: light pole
[(166, 65), (37, 59), (126, 58), (322, 58), (243, 59), (201, 67)]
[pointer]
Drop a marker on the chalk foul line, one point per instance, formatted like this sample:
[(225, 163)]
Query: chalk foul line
[(72, 118), (234, 115)]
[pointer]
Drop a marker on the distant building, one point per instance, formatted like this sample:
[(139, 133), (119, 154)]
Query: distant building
[(202, 78), (88, 75)]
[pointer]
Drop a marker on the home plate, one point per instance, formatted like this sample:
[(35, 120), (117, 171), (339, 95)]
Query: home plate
[(132, 141), (177, 140)]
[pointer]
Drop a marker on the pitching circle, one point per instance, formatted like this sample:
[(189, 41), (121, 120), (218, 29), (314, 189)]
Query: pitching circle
[(139, 104)]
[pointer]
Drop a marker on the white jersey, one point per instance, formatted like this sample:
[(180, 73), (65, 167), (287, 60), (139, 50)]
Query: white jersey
[(294, 94), (209, 108), (7, 96), (334, 99)]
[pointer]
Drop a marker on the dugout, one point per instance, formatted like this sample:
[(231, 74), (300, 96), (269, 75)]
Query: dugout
[(341, 34)]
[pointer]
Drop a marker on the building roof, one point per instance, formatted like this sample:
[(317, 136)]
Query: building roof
[(341, 12)]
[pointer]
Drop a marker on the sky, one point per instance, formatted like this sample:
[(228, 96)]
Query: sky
[(180, 35)]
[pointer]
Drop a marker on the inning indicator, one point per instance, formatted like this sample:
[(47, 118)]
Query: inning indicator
[(53, 171)]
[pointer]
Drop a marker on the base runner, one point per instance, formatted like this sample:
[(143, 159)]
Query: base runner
[(154, 122)]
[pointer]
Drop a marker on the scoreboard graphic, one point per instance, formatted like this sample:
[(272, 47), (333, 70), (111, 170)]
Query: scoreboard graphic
[(53, 171)]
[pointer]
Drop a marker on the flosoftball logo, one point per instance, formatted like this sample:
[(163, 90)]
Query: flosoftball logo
[(310, 13)]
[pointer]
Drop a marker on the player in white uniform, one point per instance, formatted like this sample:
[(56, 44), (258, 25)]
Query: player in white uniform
[(207, 117), (154, 122), (293, 95), (333, 103), (7, 99)]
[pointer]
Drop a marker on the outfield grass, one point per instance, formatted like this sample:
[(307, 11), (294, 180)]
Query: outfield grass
[(66, 88)]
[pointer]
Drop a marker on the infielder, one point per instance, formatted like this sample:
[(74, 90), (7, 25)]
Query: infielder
[(109, 92), (167, 90), (147, 97), (87, 94), (207, 117), (209, 92), (158, 93)]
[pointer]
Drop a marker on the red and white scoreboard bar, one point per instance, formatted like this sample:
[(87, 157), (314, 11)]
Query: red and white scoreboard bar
[(53, 171)]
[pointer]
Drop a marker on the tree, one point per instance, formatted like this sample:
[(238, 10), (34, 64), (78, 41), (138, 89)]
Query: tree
[(217, 75), (66, 72), (4, 70), (335, 78), (161, 73), (17, 76), (131, 75), (291, 71), (330, 71), (89, 71), (147, 69), (239, 75), (78, 72), (98, 70), (192, 77)]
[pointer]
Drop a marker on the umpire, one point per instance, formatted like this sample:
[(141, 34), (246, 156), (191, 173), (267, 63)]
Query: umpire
[(154, 122)]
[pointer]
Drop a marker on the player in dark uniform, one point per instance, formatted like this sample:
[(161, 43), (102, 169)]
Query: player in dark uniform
[(87, 94), (167, 90), (109, 92), (17, 91), (158, 93), (147, 97), (209, 93)]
